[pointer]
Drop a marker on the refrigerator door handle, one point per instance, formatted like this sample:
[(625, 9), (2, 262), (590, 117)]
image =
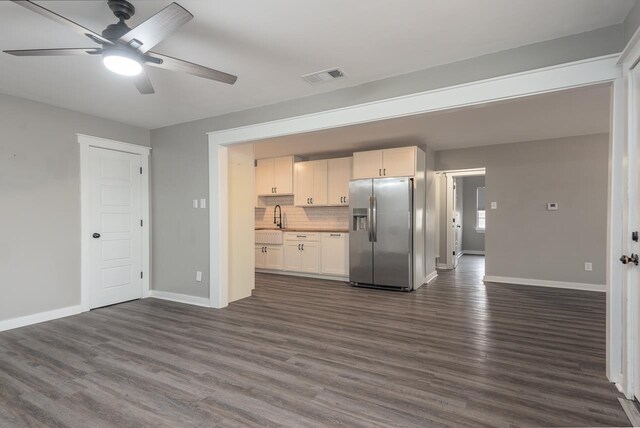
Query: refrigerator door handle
[(374, 218), (369, 217)]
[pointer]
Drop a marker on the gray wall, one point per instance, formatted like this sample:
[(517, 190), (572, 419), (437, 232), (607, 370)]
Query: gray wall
[(472, 240), (40, 209), (523, 240), (179, 155), (632, 22)]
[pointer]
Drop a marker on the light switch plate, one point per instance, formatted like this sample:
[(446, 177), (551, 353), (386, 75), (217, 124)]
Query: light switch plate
[(588, 266), (494, 205), (203, 203), (195, 203), (198, 276)]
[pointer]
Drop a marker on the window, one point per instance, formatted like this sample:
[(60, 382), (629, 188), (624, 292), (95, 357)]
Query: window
[(480, 211)]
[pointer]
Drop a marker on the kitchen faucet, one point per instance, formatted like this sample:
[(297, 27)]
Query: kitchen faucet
[(277, 220)]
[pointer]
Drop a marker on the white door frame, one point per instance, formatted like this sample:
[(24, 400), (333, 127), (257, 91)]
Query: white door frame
[(625, 140), (85, 142), (550, 79), (449, 176)]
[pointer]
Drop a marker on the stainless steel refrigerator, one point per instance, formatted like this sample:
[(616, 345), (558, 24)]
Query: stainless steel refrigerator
[(381, 233)]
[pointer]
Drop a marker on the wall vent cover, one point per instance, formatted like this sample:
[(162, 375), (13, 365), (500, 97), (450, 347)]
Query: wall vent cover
[(324, 76)]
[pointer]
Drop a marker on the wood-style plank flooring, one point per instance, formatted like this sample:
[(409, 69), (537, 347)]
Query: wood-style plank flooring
[(304, 352)]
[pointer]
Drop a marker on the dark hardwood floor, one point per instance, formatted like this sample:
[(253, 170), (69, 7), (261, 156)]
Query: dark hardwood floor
[(304, 352)]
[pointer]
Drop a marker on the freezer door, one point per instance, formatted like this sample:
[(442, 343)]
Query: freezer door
[(392, 232), (360, 245)]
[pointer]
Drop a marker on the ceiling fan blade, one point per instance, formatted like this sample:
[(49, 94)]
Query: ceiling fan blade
[(157, 28), (175, 64), (62, 20), (55, 52), (142, 82)]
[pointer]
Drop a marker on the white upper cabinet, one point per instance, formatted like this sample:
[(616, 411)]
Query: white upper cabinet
[(339, 173), (367, 164), (274, 176), (311, 183), (283, 175), (399, 162)]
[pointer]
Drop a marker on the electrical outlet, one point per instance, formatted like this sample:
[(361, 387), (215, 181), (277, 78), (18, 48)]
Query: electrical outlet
[(198, 276), (494, 205), (588, 266)]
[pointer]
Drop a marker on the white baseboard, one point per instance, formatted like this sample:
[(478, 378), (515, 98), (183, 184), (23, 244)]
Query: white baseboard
[(431, 277), (472, 252), (40, 317), (442, 266), (304, 275), (181, 298), (545, 283)]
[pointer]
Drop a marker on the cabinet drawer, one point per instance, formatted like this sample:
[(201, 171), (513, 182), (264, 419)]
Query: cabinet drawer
[(301, 236)]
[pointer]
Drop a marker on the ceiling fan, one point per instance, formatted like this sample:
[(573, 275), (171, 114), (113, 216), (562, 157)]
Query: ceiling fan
[(124, 50)]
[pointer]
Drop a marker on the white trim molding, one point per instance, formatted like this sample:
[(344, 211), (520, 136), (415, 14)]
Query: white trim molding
[(472, 252), (40, 317), (442, 266), (545, 283), (549, 79), (433, 275), (181, 298), (86, 142)]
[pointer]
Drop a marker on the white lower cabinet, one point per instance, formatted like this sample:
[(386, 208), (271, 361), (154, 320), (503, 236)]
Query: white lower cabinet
[(324, 253), (269, 257), (301, 256), (335, 254)]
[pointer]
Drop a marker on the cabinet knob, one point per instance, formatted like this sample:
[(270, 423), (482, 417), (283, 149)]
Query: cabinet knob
[(380, 172)]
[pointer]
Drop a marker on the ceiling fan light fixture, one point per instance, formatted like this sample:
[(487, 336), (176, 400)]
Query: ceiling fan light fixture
[(121, 63)]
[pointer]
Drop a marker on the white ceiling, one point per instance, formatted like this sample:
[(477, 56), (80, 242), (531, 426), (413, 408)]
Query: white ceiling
[(270, 44), (574, 112)]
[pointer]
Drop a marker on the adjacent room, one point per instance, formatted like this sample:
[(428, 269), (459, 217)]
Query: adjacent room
[(426, 216)]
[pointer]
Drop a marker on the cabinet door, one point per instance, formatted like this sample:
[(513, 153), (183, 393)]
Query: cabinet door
[(310, 260), (400, 162), (319, 196), (367, 164), (274, 257), (292, 256), (260, 257), (265, 176), (283, 175), (304, 183), (339, 174), (335, 254)]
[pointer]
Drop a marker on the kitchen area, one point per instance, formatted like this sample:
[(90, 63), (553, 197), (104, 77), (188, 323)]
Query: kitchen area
[(358, 219)]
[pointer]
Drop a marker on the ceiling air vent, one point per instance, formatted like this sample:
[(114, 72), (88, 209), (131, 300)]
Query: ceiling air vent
[(324, 76)]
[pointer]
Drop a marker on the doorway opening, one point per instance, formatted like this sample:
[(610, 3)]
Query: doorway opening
[(462, 216)]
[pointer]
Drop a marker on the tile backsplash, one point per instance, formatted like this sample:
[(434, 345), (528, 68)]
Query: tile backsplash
[(292, 216)]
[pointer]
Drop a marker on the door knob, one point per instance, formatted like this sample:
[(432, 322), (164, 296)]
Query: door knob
[(633, 258), (96, 235)]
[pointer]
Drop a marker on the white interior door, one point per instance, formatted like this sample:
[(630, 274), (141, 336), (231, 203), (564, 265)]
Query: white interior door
[(632, 222), (115, 265), (455, 222)]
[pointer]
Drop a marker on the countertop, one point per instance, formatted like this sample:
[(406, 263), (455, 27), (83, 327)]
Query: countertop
[(308, 230)]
